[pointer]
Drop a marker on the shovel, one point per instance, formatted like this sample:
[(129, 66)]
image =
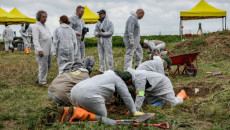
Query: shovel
[(139, 119)]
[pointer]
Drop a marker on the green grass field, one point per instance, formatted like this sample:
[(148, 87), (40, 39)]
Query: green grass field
[(25, 105)]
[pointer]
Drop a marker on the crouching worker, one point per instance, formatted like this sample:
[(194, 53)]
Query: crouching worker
[(91, 93), (156, 65), (156, 46), (154, 87), (71, 74)]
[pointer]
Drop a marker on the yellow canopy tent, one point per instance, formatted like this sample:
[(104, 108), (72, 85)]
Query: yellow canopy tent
[(5, 17), (16, 12), (202, 11), (89, 17)]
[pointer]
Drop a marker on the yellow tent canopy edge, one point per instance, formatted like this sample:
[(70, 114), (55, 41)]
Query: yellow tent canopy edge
[(202, 11), (5, 17), (89, 17), (16, 12)]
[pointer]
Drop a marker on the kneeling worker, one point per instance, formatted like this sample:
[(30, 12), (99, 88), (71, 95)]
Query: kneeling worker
[(156, 86), (71, 74), (91, 93)]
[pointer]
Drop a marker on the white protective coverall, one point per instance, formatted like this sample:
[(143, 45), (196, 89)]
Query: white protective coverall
[(155, 65), (65, 44), (77, 24), (8, 37), (104, 43), (91, 94), (155, 85), (42, 40), (156, 46), (26, 35), (132, 34)]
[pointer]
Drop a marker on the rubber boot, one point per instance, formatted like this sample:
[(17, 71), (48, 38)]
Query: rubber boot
[(65, 114), (27, 50), (182, 95), (60, 113), (82, 114)]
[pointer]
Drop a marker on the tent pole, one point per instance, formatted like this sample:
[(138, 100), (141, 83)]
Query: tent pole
[(222, 23), (180, 29), (225, 23)]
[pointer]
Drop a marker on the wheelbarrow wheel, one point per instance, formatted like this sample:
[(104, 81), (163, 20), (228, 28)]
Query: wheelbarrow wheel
[(190, 72)]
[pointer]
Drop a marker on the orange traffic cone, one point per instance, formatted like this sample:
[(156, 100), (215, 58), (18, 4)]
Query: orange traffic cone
[(182, 94)]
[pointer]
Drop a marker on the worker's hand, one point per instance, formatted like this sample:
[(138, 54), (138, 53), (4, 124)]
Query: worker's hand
[(138, 113), (131, 42), (78, 34), (100, 33), (40, 53), (136, 92)]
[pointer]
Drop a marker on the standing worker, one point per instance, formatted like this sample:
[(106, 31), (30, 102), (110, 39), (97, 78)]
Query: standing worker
[(132, 39), (104, 30), (42, 40), (77, 23), (65, 42), (26, 32), (8, 37)]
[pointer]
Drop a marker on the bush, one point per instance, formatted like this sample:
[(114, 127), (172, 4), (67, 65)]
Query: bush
[(118, 40)]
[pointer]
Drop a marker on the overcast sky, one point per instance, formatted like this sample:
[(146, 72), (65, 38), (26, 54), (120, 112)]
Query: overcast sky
[(161, 16)]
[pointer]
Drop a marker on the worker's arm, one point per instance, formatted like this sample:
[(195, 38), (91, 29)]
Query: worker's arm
[(140, 95), (96, 31), (131, 25), (55, 41), (72, 24), (36, 34), (4, 34), (110, 32), (125, 95), (75, 43)]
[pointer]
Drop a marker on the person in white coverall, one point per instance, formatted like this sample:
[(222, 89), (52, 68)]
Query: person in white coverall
[(156, 46), (104, 31), (132, 39), (26, 32), (77, 24), (91, 94), (65, 42), (8, 37), (155, 65), (153, 84), (42, 40)]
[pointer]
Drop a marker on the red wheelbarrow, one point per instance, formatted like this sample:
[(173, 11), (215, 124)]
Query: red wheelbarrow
[(183, 60)]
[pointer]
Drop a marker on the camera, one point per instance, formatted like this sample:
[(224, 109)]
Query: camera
[(85, 30)]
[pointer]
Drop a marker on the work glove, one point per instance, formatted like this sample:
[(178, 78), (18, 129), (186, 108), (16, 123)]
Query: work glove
[(138, 113), (131, 42)]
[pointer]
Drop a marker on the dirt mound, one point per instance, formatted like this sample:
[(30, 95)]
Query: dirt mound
[(213, 46), (203, 89)]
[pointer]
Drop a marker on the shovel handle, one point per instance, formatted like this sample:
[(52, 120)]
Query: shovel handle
[(161, 125)]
